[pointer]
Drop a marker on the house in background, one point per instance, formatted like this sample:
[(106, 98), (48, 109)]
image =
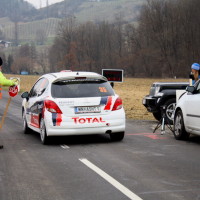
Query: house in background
[(5, 44)]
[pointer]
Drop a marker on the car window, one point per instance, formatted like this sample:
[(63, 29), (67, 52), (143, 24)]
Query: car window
[(39, 88), (81, 88)]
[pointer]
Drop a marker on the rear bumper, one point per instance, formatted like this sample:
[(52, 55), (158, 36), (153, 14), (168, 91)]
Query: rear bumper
[(85, 131), (86, 125)]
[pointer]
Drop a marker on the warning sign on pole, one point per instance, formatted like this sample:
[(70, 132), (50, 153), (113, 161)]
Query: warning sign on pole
[(13, 90)]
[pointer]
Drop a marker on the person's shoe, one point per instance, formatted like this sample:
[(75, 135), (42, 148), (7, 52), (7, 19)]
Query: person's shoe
[(1, 146)]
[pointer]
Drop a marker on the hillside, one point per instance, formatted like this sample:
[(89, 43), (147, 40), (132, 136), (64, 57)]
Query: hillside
[(109, 10), (90, 10), (49, 17), (16, 10), (27, 30)]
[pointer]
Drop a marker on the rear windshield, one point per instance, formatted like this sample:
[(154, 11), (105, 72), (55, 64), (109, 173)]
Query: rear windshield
[(81, 88)]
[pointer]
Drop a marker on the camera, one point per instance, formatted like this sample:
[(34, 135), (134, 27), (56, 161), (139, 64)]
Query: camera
[(191, 76)]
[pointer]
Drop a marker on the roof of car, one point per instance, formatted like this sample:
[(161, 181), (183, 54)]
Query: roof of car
[(72, 75), (171, 83)]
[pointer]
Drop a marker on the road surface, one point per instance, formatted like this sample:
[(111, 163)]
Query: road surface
[(143, 166)]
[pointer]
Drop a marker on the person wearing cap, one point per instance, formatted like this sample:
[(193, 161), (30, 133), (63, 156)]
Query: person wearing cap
[(5, 82), (195, 72)]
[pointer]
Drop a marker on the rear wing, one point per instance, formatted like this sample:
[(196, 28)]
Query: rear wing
[(81, 77)]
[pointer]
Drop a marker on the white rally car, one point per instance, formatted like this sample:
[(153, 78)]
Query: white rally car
[(73, 103), (187, 113)]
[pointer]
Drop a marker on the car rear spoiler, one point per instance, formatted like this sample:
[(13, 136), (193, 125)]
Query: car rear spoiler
[(80, 77)]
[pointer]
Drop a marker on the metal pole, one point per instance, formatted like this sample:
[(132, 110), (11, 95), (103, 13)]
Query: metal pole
[(5, 112)]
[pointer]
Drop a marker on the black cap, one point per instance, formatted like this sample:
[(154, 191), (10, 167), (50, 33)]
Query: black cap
[(1, 61)]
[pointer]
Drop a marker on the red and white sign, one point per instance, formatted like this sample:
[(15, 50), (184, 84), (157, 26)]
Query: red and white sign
[(13, 90)]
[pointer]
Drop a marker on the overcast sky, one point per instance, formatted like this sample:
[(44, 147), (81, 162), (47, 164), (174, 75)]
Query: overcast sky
[(43, 3)]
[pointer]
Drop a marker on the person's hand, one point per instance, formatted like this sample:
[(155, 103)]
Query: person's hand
[(15, 81)]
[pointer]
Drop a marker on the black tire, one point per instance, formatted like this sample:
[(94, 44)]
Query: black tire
[(117, 136), (157, 115), (26, 129), (43, 134), (170, 106), (179, 127)]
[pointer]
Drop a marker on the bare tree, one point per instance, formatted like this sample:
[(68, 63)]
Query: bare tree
[(20, 64), (42, 60), (2, 36), (41, 36)]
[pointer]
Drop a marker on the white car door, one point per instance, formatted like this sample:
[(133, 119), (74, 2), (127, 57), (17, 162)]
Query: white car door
[(34, 104), (192, 106)]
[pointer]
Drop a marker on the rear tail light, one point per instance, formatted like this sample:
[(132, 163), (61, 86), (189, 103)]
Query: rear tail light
[(52, 107), (118, 104)]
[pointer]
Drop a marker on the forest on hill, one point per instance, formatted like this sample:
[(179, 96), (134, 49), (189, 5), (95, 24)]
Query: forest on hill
[(164, 43)]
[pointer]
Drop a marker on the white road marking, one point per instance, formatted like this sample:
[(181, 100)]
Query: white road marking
[(111, 180), (64, 146)]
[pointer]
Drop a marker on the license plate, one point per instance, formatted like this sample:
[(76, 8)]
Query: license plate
[(144, 101), (88, 109)]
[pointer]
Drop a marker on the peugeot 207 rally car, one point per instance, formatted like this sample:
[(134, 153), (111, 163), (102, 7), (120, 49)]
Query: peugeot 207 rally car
[(73, 103)]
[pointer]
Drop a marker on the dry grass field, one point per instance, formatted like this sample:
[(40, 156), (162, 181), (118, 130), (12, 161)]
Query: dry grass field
[(132, 91)]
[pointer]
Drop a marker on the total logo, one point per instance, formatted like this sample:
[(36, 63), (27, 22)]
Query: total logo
[(78, 120)]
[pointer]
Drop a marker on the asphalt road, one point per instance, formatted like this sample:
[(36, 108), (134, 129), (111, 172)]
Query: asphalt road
[(143, 166)]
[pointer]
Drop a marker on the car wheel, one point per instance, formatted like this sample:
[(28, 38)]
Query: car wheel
[(117, 136), (179, 127), (157, 115), (170, 106), (43, 134), (26, 129)]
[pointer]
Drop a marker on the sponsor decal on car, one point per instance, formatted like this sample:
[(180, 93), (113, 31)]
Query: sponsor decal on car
[(78, 120), (57, 119), (35, 120), (107, 101)]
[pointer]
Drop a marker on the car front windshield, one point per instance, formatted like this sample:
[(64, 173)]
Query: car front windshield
[(81, 88)]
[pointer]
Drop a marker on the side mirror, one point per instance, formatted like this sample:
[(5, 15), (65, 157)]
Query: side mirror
[(112, 84), (190, 89), (25, 95)]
